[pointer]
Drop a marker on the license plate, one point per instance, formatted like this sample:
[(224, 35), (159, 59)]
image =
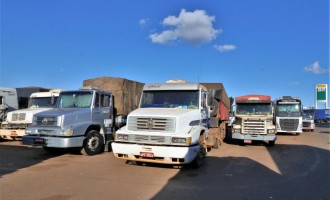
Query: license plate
[(248, 141), (13, 133), (39, 141), (147, 154)]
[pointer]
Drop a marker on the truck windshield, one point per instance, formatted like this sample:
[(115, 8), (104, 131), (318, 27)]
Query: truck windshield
[(42, 102), (308, 114), (254, 108), (81, 99), (170, 99), (287, 110)]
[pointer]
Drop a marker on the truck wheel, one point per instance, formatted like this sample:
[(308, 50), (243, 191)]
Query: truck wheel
[(199, 160), (93, 144), (214, 108)]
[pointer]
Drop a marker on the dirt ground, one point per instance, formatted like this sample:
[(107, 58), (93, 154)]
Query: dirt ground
[(297, 167)]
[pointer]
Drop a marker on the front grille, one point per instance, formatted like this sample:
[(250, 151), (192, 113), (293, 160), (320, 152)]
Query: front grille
[(148, 139), (289, 124), (14, 126), (254, 126), (18, 116), (151, 124), (46, 121), (307, 124)]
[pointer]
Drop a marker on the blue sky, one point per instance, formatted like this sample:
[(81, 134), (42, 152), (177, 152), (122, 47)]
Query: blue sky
[(274, 47)]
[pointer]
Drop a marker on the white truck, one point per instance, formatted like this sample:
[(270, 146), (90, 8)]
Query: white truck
[(17, 121), (83, 119), (289, 115), (15, 98), (170, 126), (308, 120)]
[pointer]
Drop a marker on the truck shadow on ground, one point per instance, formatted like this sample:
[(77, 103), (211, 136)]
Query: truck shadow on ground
[(15, 157), (288, 177), (324, 125)]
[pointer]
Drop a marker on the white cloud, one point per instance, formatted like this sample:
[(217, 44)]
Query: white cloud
[(192, 27), (225, 48), (315, 68), (143, 22)]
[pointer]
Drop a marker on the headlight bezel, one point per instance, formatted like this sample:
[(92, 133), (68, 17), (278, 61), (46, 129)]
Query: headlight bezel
[(122, 137), (181, 140), (270, 131)]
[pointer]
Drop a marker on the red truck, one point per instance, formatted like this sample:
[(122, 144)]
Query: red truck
[(254, 119)]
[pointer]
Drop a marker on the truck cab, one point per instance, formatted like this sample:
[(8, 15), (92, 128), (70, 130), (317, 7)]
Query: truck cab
[(254, 119), (170, 126), (82, 119), (288, 115), (308, 120), (17, 121)]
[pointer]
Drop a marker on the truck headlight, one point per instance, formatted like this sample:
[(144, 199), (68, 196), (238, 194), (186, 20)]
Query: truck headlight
[(178, 140), (237, 130), (270, 131), (121, 137), (69, 132), (27, 131)]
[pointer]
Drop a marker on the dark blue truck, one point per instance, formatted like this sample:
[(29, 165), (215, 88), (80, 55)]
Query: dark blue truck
[(320, 115)]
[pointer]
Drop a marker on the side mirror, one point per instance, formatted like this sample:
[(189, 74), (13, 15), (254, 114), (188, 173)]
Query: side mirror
[(121, 120)]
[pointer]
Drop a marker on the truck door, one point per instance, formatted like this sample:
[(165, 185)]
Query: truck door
[(101, 108)]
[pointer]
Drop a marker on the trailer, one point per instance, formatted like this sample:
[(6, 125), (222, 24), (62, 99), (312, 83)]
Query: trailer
[(319, 115)]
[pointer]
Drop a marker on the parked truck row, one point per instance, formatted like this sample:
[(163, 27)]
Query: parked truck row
[(175, 122)]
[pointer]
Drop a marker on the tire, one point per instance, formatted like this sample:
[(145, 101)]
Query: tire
[(228, 139), (93, 144), (214, 108), (199, 159)]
